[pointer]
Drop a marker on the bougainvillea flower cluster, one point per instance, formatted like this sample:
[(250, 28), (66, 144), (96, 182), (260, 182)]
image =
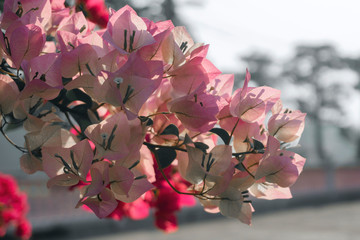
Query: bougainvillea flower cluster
[(137, 117), (13, 208)]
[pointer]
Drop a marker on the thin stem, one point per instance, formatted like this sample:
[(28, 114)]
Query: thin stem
[(10, 141), (158, 113), (203, 188), (197, 195), (17, 122), (232, 131), (169, 76), (9, 73), (164, 176), (242, 164), (195, 135), (243, 153)]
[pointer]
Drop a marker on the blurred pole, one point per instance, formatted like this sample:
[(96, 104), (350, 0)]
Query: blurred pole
[(325, 159)]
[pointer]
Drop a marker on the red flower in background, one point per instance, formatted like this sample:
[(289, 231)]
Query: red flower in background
[(95, 11), (13, 208), (166, 201)]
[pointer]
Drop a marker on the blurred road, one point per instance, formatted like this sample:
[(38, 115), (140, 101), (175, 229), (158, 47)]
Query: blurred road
[(339, 221)]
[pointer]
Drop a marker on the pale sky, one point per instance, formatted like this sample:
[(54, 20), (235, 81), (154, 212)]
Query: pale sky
[(237, 27)]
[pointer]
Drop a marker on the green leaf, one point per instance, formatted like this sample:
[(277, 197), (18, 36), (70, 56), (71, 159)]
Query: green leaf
[(171, 130), (166, 156), (222, 134)]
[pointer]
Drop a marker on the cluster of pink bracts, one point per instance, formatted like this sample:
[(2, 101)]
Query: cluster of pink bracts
[(13, 208), (146, 107)]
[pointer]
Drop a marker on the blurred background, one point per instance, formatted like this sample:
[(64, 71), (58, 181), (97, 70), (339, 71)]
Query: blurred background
[(310, 50)]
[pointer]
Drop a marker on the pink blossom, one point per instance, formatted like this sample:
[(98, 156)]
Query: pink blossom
[(25, 42), (75, 23), (131, 85), (79, 60), (103, 204), (233, 205), (279, 166), (57, 4), (67, 166), (28, 11), (197, 70), (213, 169), (197, 110), (113, 137), (8, 94), (126, 31), (269, 191)]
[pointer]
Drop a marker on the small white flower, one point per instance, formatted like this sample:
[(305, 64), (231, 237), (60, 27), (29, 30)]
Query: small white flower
[(118, 80), (104, 136)]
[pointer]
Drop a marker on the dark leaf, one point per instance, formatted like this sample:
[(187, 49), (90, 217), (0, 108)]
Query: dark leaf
[(77, 95), (240, 158), (79, 113), (59, 97), (166, 156), (66, 80), (171, 130), (222, 134), (187, 139), (149, 121), (240, 167), (249, 142), (202, 146), (258, 145)]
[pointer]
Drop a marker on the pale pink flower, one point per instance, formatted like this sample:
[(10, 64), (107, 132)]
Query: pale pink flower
[(121, 180), (234, 205), (23, 42), (287, 126), (137, 189), (116, 137), (269, 191), (82, 59), (194, 72), (126, 31), (75, 23), (67, 166), (222, 86), (28, 11), (131, 85), (8, 94), (197, 110), (213, 169), (103, 204), (251, 104), (230, 203), (279, 166)]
